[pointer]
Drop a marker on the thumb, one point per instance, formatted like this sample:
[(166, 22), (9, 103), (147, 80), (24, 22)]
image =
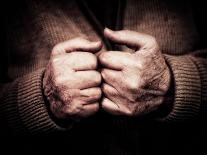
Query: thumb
[(77, 44), (134, 40)]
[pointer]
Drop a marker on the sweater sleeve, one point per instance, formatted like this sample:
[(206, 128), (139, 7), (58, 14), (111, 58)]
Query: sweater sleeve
[(23, 108), (189, 73)]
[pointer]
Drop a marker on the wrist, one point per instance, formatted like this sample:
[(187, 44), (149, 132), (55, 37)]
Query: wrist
[(167, 103), (64, 123)]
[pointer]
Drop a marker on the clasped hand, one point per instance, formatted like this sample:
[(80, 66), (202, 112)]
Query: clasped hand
[(130, 84)]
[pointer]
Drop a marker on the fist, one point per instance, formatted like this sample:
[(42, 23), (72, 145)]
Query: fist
[(71, 82), (134, 83)]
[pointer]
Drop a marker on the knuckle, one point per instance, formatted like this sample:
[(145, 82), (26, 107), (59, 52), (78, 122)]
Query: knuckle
[(60, 60), (93, 59), (129, 112), (153, 42), (87, 113), (54, 61), (132, 111), (137, 64), (152, 39), (58, 109), (102, 56), (58, 81), (94, 62), (98, 93), (103, 73), (103, 88), (97, 77), (133, 97), (145, 63), (71, 110), (96, 107), (133, 86), (57, 49)]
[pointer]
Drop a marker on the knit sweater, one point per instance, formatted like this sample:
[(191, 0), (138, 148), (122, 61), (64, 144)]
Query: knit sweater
[(38, 25)]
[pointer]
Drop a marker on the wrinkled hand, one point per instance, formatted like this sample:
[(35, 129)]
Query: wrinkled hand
[(134, 83), (71, 82)]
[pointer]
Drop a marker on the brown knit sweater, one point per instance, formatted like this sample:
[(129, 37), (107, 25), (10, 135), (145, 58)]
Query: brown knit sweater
[(38, 25)]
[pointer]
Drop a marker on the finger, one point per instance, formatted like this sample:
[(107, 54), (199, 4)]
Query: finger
[(113, 95), (77, 44), (91, 95), (132, 39), (86, 79), (89, 109), (110, 92), (82, 61), (113, 60), (110, 107), (111, 77)]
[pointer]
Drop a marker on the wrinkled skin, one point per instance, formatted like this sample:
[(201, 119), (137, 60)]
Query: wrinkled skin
[(71, 83), (134, 83)]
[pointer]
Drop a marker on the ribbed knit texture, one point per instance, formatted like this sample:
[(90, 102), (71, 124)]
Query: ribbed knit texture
[(202, 69), (25, 108), (187, 85), (51, 22), (171, 22), (47, 23)]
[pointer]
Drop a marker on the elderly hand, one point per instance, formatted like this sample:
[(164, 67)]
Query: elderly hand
[(71, 82), (134, 83)]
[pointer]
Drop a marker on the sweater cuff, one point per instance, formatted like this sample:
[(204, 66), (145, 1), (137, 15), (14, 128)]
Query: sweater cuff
[(32, 109), (187, 86), (202, 67)]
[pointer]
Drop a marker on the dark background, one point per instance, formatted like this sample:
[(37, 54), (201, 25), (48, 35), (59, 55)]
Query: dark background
[(195, 133)]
